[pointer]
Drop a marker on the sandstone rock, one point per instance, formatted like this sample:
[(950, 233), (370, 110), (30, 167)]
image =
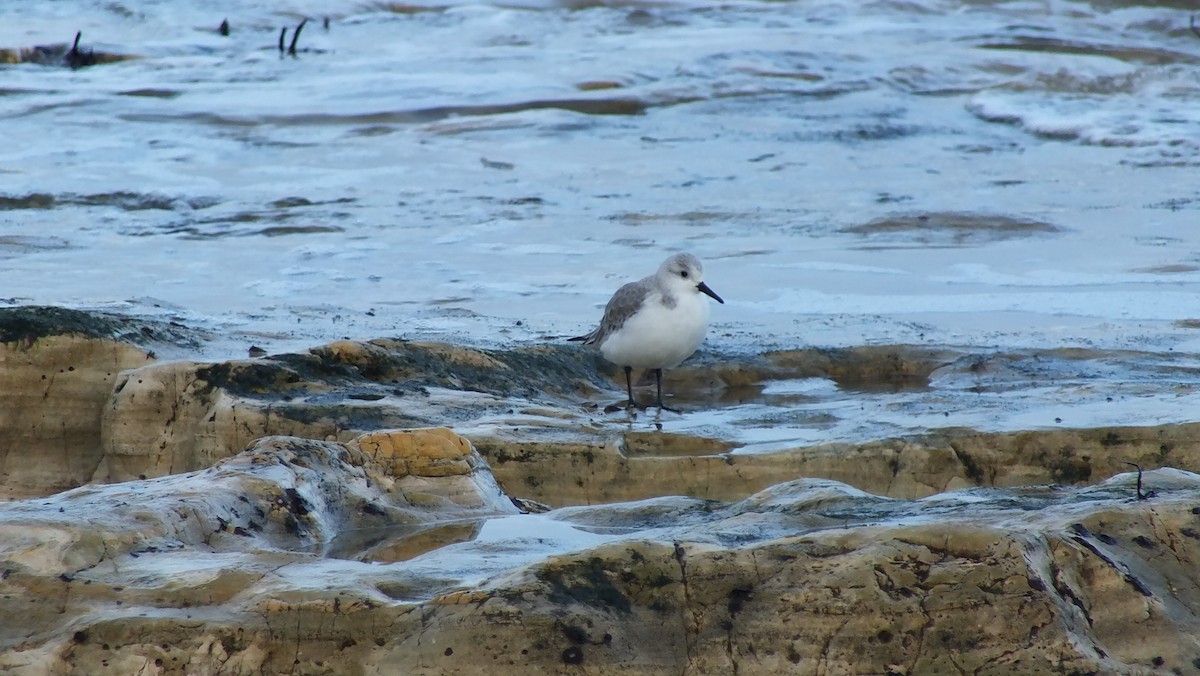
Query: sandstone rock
[(57, 369), (804, 577), (282, 493), (168, 418), (350, 547), (633, 466), (1040, 580), (544, 446), (434, 452), (525, 409), (142, 554), (185, 415)]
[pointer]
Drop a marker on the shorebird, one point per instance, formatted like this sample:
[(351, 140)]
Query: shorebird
[(655, 322)]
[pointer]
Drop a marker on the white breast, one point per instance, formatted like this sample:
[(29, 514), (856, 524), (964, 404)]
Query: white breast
[(658, 337)]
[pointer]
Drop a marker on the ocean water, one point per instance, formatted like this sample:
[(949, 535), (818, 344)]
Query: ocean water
[(989, 174)]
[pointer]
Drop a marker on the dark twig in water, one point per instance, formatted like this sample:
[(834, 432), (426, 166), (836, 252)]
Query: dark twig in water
[(1140, 494), (224, 27), (78, 59), (295, 37), (1192, 23), (282, 33)]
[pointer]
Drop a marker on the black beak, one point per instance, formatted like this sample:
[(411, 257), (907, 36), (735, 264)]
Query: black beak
[(704, 289)]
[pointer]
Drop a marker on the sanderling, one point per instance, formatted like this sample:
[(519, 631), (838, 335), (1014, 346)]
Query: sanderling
[(655, 322)]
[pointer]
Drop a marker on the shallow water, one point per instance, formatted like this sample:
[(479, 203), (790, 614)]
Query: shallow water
[(1009, 174)]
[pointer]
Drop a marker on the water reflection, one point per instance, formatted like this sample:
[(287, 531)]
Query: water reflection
[(393, 544)]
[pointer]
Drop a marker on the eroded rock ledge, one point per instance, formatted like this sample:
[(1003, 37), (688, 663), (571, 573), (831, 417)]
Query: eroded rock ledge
[(263, 516), (83, 395), (226, 571)]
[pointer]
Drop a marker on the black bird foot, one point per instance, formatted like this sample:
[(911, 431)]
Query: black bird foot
[(662, 407), (629, 405)]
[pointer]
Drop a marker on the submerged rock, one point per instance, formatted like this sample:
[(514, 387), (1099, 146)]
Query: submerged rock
[(68, 55)]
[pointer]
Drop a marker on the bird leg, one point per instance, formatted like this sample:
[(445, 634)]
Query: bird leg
[(631, 404), (661, 406)]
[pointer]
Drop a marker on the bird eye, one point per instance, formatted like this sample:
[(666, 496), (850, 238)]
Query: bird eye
[(683, 273)]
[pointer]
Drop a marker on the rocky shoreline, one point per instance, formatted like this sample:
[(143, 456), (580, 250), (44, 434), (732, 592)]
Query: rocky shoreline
[(388, 506)]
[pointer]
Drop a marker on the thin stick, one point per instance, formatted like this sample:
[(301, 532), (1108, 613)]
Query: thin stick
[(1140, 495), (295, 37)]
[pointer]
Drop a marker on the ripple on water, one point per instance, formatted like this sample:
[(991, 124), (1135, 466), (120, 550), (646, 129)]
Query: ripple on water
[(750, 133)]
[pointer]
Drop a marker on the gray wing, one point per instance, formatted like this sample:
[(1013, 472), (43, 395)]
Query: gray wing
[(624, 304)]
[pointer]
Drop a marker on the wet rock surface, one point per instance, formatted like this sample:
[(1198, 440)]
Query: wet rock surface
[(267, 514), (58, 370), (164, 554), (809, 576)]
